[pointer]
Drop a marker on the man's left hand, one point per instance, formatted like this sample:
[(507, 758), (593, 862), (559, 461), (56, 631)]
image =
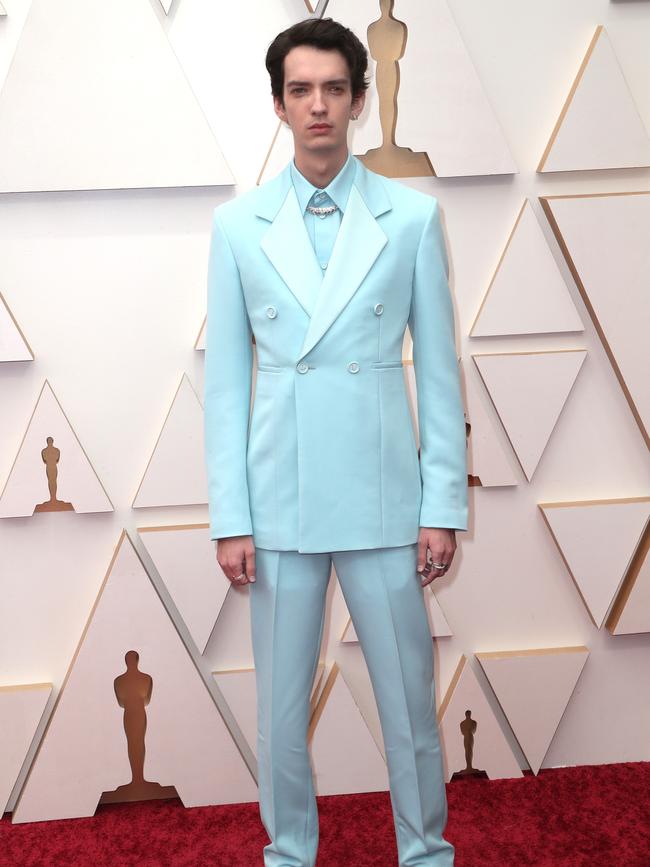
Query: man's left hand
[(441, 543)]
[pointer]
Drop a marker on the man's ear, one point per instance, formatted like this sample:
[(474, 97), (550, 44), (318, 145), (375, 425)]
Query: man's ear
[(358, 103), (279, 109)]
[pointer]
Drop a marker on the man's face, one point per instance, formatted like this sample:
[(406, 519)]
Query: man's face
[(318, 100)]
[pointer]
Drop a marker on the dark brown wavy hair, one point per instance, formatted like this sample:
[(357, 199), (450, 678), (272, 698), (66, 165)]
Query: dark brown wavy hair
[(323, 33)]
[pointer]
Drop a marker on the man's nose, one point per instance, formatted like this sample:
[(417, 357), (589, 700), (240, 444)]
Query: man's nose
[(318, 105)]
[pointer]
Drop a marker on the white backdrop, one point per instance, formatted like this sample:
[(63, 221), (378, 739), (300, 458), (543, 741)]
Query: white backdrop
[(109, 287)]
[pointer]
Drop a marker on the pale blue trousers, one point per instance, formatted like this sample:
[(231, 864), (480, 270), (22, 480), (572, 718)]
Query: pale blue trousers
[(384, 595)]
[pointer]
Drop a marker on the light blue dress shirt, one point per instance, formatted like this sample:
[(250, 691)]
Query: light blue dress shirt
[(322, 231)]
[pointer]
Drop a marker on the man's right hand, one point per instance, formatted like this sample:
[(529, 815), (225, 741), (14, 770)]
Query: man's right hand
[(236, 556)]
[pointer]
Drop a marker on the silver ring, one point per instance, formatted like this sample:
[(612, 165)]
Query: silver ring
[(440, 565), (237, 577)]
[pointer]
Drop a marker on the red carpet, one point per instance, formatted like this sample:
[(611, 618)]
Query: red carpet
[(569, 817)]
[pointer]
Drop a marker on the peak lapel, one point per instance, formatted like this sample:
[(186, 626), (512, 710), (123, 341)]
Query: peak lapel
[(290, 251), (359, 241)]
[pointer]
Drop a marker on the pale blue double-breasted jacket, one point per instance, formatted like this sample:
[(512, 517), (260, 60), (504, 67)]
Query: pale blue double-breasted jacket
[(327, 460)]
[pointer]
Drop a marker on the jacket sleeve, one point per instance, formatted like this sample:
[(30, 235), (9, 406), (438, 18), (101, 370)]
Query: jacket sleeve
[(441, 421), (227, 390)]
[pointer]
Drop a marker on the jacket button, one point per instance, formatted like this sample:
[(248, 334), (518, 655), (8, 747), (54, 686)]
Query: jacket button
[(271, 312), (379, 309), (302, 367), (353, 367)]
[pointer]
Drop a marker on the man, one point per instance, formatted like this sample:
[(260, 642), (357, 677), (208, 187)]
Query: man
[(326, 265)]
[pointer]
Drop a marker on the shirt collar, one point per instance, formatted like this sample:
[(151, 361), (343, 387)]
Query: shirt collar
[(338, 188)]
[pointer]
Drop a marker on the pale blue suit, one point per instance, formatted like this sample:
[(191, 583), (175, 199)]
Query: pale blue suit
[(326, 469)]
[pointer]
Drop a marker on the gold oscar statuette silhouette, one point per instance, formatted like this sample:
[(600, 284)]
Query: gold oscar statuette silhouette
[(472, 481), (468, 729), (50, 456), (133, 692), (387, 42)]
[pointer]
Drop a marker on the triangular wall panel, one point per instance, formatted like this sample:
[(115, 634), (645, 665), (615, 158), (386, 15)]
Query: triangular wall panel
[(490, 750), (239, 689), (211, 39), (460, 137), (529, 390), (631, 611), (578, 529), (230, 645), (21, 709), (185, 557), (527, 294), (279, 153), (13, 345), (83, 752), (437, 620), (599, 126), (533, 688), (240, 692), (175, 474), (442, 107), (344, 754), (200, 340), (12, 26), (487, 464), (37, 466), (96, 99), (604, 238)]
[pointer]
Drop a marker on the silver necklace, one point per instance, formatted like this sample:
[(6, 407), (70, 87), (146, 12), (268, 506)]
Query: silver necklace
[(322, 210)]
